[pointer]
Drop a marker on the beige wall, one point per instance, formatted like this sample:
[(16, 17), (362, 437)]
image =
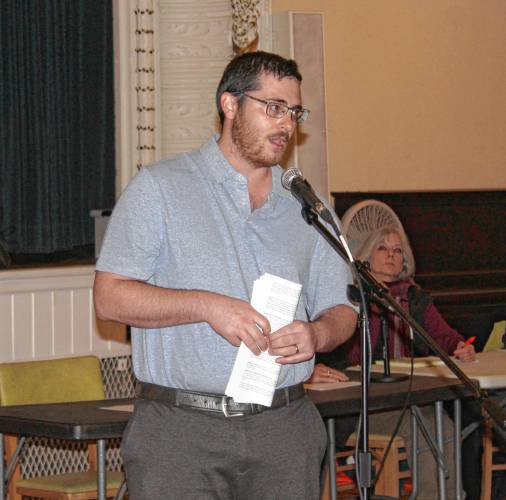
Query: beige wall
[(416, 92)]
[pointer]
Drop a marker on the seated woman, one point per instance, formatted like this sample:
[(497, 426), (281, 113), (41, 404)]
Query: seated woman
[(391, 261)]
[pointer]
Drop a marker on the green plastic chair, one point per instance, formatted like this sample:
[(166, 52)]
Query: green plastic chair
[(56, 381), (494, 341)]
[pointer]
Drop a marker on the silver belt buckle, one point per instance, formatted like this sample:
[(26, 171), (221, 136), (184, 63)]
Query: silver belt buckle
[(225, 411)]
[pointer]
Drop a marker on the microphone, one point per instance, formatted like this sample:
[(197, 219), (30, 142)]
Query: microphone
[(301, 189)]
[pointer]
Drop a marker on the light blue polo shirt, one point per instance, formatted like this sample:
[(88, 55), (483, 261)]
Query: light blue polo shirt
[(186, 223)]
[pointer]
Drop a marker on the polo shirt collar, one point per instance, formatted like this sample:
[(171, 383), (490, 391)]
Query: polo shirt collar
[(219, 169)]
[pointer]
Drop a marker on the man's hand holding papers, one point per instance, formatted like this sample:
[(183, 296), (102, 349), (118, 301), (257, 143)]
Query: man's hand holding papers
[(254, 377)]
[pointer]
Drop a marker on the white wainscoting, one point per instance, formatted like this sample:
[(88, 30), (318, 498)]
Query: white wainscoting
[(48, 313)]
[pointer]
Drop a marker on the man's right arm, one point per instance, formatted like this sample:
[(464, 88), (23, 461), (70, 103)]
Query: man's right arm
[(140, 304)]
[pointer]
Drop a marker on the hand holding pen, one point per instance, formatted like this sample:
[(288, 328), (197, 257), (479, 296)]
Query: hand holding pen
[(465, 350)]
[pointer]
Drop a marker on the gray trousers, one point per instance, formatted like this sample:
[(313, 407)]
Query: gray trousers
[(175, 453)]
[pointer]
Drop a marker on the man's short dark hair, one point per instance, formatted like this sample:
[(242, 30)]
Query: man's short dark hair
[(242, 72)]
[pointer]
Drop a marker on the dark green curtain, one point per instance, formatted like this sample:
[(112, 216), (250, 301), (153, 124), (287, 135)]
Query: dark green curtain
[(56, 122)]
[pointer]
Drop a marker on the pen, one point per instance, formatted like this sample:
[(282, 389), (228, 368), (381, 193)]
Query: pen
[(470, 340)]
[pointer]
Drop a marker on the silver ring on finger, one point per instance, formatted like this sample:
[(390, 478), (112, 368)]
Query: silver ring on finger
[(296, 348)]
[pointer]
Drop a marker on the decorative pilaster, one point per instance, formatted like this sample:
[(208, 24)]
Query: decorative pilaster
[(145, 87), (245, 14)]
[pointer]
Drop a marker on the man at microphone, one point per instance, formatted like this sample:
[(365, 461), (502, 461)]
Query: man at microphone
[(185, 243)]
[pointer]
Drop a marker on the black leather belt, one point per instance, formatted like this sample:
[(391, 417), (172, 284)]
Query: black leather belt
[(216, 403)]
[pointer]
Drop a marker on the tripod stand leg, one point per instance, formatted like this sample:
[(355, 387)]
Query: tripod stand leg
[(441, 476), (2, 477), (414, 456), (331, 456), (429, 439), (457, 431)]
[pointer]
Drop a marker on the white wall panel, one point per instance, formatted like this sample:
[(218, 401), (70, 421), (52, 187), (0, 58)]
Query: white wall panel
[(62, 322), (81, 321), (5, 326), (49, 312), (43, 323), (23, 320)]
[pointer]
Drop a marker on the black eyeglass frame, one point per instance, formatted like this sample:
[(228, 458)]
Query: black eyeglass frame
[(298, 113)]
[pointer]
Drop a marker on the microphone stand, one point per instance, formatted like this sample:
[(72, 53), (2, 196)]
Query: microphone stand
[(377, 292), (387, 376)]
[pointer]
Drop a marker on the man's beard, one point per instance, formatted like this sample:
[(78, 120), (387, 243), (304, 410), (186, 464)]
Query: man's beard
[(252, 147)]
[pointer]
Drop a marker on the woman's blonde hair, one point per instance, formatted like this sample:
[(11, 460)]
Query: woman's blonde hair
[(408, 265)]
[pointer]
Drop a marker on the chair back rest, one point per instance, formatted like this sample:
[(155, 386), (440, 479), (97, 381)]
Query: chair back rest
[(496, 337), (51, 381), (364, 218)]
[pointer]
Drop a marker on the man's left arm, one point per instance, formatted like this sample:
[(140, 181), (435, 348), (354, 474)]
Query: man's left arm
[(300, 340)]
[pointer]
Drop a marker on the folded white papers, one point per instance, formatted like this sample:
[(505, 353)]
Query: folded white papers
[(254, 378)]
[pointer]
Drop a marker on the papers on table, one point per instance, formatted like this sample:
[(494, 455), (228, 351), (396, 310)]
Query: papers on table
[(329, 386), (422, 362), (127, 407), (254, 378)]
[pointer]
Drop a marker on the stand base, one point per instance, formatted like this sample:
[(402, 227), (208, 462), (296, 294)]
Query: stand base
[(387, 379), (374, 497)]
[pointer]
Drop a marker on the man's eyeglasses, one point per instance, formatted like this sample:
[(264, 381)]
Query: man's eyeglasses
[(276, 109)]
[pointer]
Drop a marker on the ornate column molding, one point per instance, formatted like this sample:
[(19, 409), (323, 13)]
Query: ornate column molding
[(251, 25), (135, 83), (145, 86), (245, 14)]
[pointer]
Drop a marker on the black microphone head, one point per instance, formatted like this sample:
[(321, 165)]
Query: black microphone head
[(288, 177)]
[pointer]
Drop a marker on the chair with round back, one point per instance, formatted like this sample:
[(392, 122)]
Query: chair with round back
[(365, 217)]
